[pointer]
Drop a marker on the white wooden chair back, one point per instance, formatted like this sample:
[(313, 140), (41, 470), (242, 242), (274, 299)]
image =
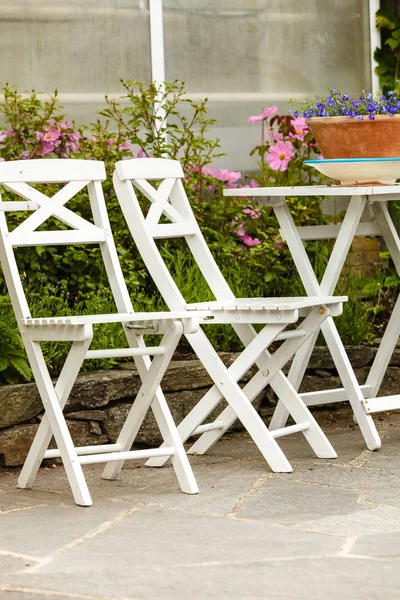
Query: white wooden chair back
[(169, 200), (77, 174)]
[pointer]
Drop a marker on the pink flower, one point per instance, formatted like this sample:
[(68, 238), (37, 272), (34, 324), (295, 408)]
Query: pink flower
[(300, 127), (230, 178), (241, 229), (3, 136), (249, 241), (1, 159), (47, 148), (71, 146), (50, 136), (125, 146), (267, 112), (279, 155), (253, 213), (275, 136)]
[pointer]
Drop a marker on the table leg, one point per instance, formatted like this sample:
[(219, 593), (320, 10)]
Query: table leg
[(313, 288), (392, 331)]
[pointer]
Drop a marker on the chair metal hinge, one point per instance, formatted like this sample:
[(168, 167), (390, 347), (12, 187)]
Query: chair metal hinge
[(148, 327)]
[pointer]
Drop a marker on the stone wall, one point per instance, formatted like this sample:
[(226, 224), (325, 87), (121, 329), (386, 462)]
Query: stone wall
[(100, 401)]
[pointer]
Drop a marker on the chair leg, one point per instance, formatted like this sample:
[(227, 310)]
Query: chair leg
[(243, 408), (63, 389), (350, 384), (150, 395), (226, 386), (283, 388), (213, 397), (295, 376), (57, 425)]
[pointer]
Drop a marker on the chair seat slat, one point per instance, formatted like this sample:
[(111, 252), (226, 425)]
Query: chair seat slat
[(278, 304)]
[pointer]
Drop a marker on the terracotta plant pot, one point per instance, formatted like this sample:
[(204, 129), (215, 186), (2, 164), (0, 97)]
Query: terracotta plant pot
[(344, 137)]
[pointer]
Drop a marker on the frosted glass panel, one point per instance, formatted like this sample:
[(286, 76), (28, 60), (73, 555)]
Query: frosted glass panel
[(269, 50), (76, 46)]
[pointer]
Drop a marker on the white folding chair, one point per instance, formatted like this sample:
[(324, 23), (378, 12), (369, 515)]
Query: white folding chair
[(77, 175), (170, 201)]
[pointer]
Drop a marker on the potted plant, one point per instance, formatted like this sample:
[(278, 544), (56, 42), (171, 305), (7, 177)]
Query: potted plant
[(344, 127)]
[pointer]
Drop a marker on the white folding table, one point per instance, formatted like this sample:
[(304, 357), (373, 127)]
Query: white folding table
[(363, 398)]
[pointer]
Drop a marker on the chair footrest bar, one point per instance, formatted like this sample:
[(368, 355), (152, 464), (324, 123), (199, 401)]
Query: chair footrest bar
[(288, 335), (129, 455), (81, 450), (125, 352), (374, 405), (331, 396), (208, 427), (277, 433)]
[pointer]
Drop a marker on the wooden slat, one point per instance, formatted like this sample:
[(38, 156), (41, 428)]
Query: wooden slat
[(17, 205), (144, 168), (52, 170), (326, 232), (171, 230), (57, 238)]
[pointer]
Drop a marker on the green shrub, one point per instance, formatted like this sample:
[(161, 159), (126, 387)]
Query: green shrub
[(243, 237)]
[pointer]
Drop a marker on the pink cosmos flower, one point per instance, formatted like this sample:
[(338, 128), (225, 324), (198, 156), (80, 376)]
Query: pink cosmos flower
[(71, 146), (267, 112), (249, 241), (241, 229), (3, 136), (253, 213), (125, 145), (279, 155), (301, 128), (47, 148), (230, 178), (275, 136), (50, 136)]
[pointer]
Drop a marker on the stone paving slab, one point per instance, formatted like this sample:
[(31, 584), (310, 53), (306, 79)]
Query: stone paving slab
[(329, 530)]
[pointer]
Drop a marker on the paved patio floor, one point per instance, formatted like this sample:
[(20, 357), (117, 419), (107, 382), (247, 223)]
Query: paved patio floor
[(329, 530)]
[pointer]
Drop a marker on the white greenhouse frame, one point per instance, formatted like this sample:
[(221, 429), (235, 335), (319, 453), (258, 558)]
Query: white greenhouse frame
[(158, 67)]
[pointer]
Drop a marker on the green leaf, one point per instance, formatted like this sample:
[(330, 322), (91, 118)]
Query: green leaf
[(372, 288), (386, 20), (4, 362), (392, 43), (391, 281), (21, 365)]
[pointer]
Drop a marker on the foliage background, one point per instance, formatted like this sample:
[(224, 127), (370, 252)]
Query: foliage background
[(243, 237)]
